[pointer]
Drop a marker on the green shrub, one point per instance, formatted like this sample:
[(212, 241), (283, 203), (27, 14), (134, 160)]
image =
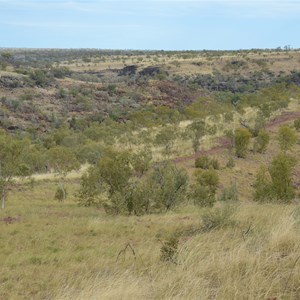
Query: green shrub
[(275, 183), (297, 124), (229, 193), (230, 163), (169, 249), (261, 141), (287, 137), (262, 186), (241, 139), (281, 174), (203, 191), (215, 164), (61, 193), (218, 217), (204, 162)]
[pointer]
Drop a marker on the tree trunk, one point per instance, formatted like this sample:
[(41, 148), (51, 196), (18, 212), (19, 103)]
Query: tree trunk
[(3, 199)]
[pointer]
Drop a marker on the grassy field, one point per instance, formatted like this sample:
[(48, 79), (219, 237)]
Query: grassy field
[(52, 250)]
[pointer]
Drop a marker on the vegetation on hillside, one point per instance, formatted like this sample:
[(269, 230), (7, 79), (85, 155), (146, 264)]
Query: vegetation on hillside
[(153, 175)]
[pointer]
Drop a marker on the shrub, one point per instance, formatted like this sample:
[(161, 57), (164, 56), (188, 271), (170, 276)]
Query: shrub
[(241, 139), (287, 137), (204, 189), (262, 185), (261, 141), (218, 217), (259, 124), (275, 182), (229, 193), (281, 172), (60, 194), (215, 164), (230, 164), (169, 249), (92, 191), (169, 186), (297, 124), (204, 162)]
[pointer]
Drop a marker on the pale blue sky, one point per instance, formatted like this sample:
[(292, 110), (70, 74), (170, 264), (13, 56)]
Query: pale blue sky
[(150, 24)]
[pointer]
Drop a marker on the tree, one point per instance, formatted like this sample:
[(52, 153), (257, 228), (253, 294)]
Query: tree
[(12, 162), (287, 137), (241, 139), (110, 176), (63, 161)]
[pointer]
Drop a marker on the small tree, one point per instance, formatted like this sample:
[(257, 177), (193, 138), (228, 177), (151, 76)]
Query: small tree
[(107, 183), (287, 138), (241, 139), (169, 185), (12, 162), (63, 161)]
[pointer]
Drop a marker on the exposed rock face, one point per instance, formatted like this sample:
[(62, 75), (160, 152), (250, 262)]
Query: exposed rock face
[(128, 71)]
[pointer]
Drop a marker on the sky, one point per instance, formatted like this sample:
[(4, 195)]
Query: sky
[(150, 24)]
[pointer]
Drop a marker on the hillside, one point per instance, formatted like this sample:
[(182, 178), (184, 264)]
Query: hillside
[(150, 174)]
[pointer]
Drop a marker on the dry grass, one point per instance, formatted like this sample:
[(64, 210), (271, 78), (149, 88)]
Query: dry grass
[(62, 251), (229, 263)]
